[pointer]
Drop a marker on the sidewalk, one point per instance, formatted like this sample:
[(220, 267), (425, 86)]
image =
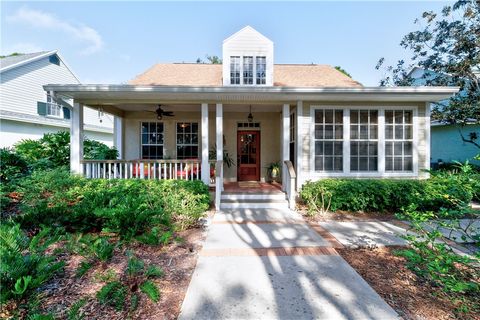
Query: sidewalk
[(270, 264)]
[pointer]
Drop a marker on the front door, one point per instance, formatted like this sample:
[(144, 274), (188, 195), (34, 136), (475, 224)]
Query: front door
[(248, 155)]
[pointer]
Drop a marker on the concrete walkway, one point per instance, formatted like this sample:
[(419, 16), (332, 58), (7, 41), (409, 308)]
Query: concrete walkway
[(270, 264)]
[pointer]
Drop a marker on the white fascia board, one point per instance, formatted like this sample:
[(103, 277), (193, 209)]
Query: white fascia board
[(247, 27), (68, 67), (21, 63), (104, 93)]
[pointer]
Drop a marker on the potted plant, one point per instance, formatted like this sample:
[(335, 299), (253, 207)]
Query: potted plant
[(273, 170)]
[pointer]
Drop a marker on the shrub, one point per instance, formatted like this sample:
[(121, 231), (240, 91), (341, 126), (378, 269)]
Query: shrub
[(381, 195), (24, 266), (130, 208), (53, 150), (120, 293), (12, 165)]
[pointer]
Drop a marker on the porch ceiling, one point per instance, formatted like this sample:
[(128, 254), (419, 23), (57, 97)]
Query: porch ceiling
[(196, 107), (131, 94)]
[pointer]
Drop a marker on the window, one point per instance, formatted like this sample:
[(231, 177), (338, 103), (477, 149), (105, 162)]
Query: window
[(248, 125), (53, 109), (261, 69), (398, 140), (292, 138), (54, 59), (187, 140), (363, 140), (234, 70), (152, 140), (328, 140), (247, 70)]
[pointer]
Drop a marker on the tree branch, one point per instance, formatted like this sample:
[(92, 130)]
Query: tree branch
[(468, 140)]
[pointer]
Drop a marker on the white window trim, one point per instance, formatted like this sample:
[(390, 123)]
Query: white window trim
[(254, 56), (50, 102), (199, 133), (346, 143), (141, 143)]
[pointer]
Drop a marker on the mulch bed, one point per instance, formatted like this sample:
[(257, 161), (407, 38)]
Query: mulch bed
[(177, 260), (411, 297)]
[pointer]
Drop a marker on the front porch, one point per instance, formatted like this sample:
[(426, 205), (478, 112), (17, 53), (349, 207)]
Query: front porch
[(215, 143)]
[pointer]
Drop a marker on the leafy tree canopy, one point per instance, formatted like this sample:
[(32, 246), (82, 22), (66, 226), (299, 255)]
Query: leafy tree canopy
[(447, 46), (343, 71), (210, 59)]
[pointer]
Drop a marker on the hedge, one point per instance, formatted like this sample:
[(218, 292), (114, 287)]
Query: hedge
[(384, 195)]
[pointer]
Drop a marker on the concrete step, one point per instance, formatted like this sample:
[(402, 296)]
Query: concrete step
[(253, 196), (254, 204)]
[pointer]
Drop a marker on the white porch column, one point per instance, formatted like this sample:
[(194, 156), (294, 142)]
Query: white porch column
[(219, 133), (299, 143), (428, 143), (118, 128), (205, 165), (76, 138), (285, 142)]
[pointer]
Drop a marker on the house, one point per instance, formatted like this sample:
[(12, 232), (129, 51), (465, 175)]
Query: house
[(446, 141), (28, 112), (314, 120)]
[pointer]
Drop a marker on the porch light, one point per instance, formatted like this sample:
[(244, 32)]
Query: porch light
[(250, 116)]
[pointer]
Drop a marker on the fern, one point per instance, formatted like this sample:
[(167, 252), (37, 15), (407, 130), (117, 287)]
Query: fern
[(151, 290), (154, 271), (83, 268), (135, 266), (102, 249), (74, 311), (113, 294)]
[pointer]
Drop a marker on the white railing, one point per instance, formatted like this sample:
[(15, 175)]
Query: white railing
[(291, 176), (218, 183), (142, 169)]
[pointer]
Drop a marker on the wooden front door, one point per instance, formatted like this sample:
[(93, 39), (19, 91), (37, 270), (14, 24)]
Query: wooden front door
[(248, 155)]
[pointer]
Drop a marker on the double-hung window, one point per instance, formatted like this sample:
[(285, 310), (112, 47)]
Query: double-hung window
[(152, 140), (363, 140), (247, 70), (187, 140), (234, 70), (53, 108), (398, 140), (261, 72), (328, 140)]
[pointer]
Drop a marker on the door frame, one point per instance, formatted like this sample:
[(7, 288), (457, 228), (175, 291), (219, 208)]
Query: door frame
[(258, 134)]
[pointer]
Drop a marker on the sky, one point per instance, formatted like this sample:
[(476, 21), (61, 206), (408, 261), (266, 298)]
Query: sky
[(112, 42)]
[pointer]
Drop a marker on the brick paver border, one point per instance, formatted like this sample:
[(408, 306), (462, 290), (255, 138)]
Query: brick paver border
[(292, 251)]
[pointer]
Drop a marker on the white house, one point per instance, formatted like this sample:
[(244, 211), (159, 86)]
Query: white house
[(28, 112), (314, 120), (446, 141)]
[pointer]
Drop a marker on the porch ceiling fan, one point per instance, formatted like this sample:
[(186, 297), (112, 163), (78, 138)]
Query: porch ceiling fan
[(161, 113)]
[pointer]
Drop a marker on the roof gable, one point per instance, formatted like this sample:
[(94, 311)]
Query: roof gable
[(247, 32)]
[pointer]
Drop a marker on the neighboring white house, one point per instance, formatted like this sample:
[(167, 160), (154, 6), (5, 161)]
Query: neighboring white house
[(446, 142), (314, 120), (27, 111)]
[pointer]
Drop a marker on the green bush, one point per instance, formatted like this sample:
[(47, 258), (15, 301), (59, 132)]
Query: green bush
[(379, 195), (24, 266), (12, 165), (53, 150), (130, 207)]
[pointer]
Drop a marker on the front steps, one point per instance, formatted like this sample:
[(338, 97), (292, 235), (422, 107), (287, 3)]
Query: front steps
[(240, 200)]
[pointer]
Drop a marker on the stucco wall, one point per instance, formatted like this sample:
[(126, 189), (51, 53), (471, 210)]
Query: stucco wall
[(448, 145), (269, 135)]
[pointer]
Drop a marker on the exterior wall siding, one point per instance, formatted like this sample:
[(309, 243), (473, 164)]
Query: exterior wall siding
[(14, 131), (22, 87), (448, 146)]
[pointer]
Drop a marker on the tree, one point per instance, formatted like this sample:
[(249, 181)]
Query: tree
[(447, 47), (343, 71), (210, 59)]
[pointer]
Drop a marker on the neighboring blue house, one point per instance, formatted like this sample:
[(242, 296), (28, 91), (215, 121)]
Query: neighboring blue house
[(446, 142), (28, 112)]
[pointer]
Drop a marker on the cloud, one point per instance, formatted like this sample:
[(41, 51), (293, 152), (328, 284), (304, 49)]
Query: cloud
[(21, 47), (39, 19)]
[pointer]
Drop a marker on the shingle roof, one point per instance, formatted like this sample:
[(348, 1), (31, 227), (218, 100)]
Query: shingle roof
[(210, 75), (11, 60)]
